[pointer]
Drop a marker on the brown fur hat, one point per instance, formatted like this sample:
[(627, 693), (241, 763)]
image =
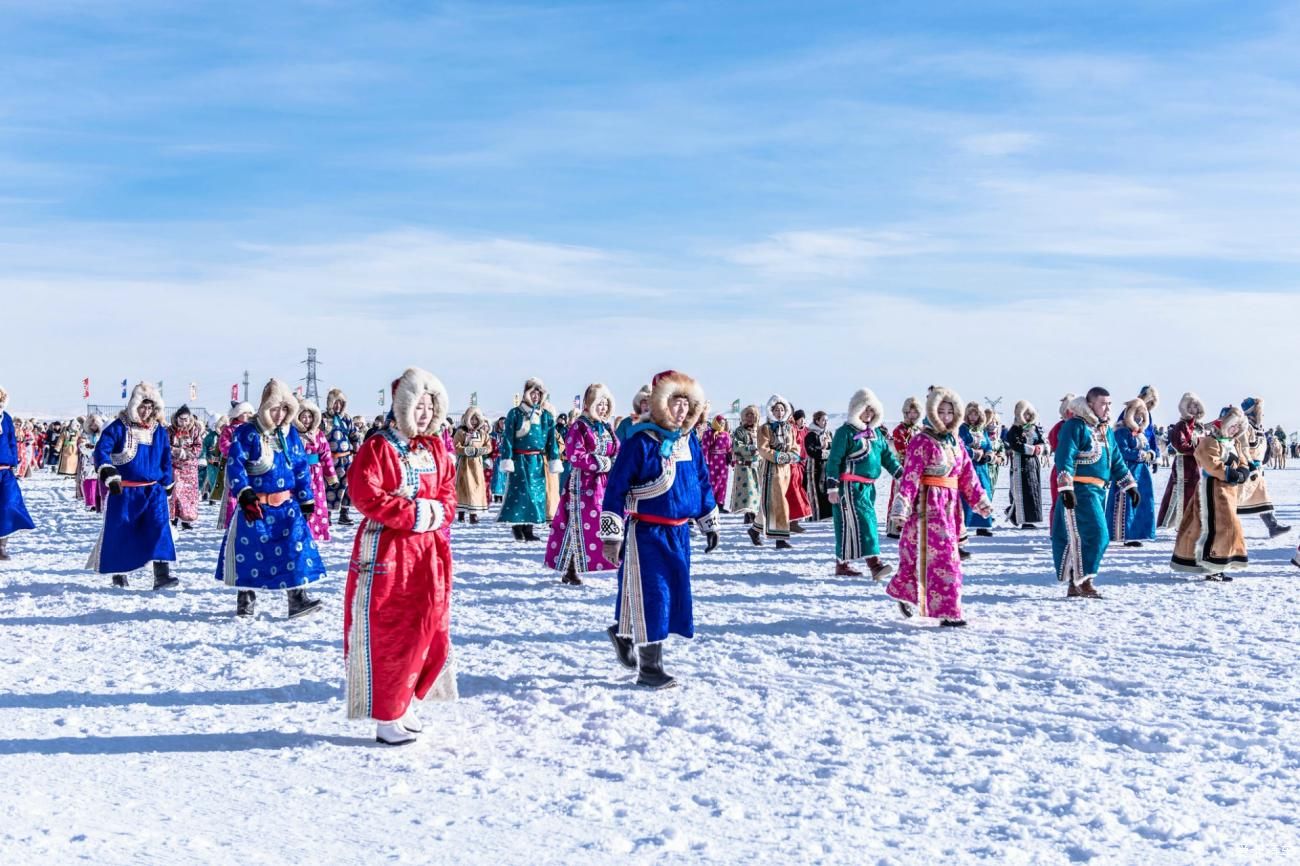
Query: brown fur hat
[(664, 388), (1191, 407), (316, 415), (140, 393), (937, 396), (1025, 413), (276, 393), (595, 391), (862, 399)]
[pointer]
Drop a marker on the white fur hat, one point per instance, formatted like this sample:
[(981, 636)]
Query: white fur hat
[(407, 391)]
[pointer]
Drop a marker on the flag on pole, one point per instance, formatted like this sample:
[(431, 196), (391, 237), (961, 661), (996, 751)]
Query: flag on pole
[(299, 391), (194, 391), (123, 389), (735, 407), (381, 396), (85, 388), (234, 393)]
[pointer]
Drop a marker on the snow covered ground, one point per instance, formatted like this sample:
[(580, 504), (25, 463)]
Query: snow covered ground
[(813, 724)]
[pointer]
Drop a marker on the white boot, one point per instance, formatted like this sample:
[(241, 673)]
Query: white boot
[(410, 720), (393, 734)]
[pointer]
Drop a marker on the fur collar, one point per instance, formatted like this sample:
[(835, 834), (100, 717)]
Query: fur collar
[(1080, 409), (1135, 416)]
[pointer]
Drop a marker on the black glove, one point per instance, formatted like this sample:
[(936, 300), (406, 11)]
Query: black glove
[(1237, 475), (1067, 499), (112, 480), (711, 541), (248, 504), (307, 508), (1134, 498)]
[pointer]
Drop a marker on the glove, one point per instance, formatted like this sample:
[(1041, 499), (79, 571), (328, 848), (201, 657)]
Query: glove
[(248, 504), (833, 497), (307, 508), (1238, 475), (613, 551), (1067, 499), (1134, 498), (711, 541), (112, 480)]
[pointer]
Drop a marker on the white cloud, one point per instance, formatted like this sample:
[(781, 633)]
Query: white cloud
[(999, 143)]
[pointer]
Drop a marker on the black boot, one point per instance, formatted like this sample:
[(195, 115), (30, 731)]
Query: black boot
[(963, 553), (185, 525), (162, 576), (571, 575), (749, 518), (984, 533), (245, 603), (1132, 544), (652, 674), (473, 518), (345, 519), (518, 532), (953, 623), (623, 647), (119, 581), (460, 517), (529, 535), (4, 549), (782, 544), (300, 604), (755, 535)]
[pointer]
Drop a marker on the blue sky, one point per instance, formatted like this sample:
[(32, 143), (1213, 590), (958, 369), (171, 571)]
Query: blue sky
[(1016, 199)]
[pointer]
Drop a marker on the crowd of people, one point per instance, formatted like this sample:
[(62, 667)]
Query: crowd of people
[(628, 494)]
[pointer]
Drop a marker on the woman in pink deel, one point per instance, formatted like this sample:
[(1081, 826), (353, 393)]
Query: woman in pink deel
[(937, 475), (574, 548), (320, 463), (716, 443)]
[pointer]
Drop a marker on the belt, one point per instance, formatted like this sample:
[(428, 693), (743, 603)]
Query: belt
[(939, 481), (657, 520), (276, 499), (6, 466), (138, 483), (861, 479), (527, 452), (313, 459), (1084, 479)]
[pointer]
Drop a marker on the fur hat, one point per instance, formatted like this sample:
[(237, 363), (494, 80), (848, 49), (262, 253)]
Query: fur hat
[(242, 409), (772, 403), (862, 399), (992, 420), (1232, 416), (4, 398), (753, 409), (913, 403), (470, 413), (1067, 404), (276, 393), (533, 382), (1135, 415), (642, 394), (407, 391), (936, 397), (595, 391), (184, 410), (316, 415), (979, 425), (1252, 408), (335, 394), (667, 385), (140, 393), (1149, 393), (1079, 408), (1025, 413), (1190, 407)]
